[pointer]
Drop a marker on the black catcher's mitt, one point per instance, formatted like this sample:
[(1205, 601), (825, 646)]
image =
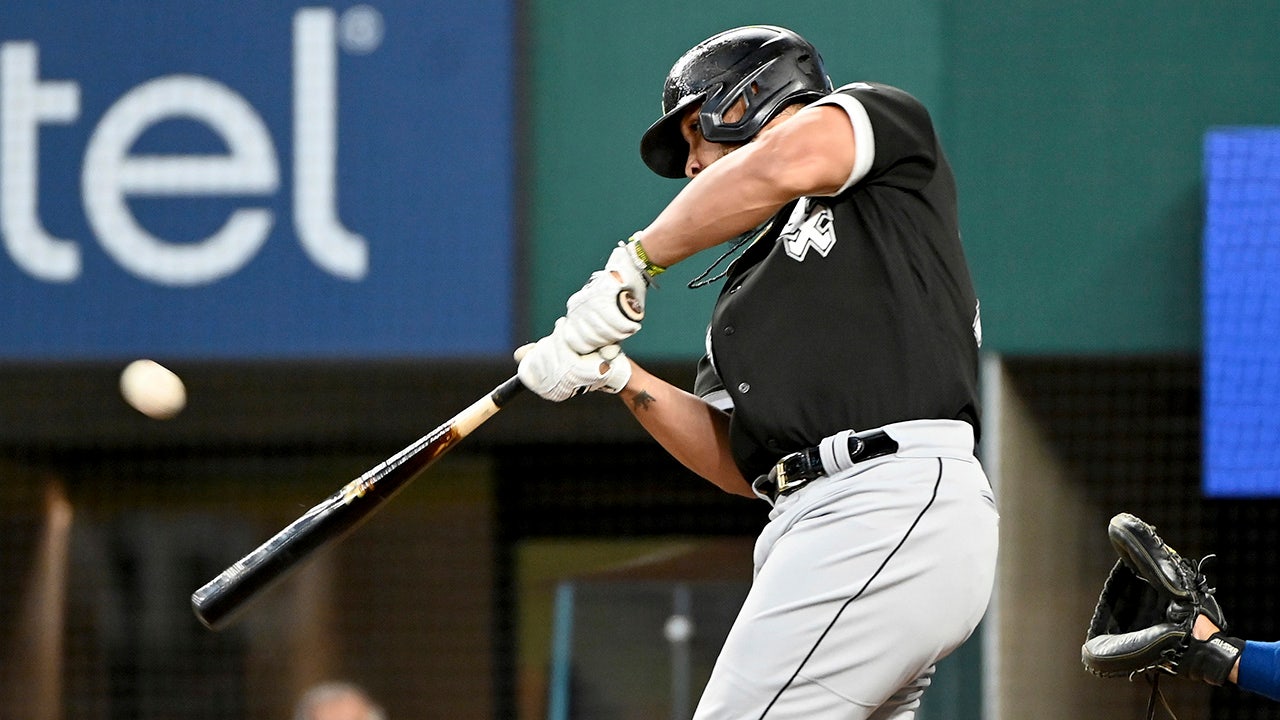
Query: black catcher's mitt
[(1146, 611)]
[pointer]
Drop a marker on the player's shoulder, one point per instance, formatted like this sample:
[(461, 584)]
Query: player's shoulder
[(865, 88), (881, 100)]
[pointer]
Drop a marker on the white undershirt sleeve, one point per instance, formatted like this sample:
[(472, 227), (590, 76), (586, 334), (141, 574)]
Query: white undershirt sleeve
[(863, 135)]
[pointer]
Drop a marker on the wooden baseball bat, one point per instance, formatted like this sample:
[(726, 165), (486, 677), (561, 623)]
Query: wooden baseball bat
[(222, 598)]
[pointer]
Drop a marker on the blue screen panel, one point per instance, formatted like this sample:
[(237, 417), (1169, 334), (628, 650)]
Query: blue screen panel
[(1241, 428)]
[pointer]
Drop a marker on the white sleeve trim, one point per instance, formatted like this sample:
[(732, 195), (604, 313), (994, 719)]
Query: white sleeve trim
[(863, 136), (720, 400)]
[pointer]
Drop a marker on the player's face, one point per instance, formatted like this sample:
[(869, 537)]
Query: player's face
[(703, 152)]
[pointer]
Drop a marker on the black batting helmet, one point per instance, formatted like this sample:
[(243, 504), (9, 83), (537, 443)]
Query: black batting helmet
[(766, 66)]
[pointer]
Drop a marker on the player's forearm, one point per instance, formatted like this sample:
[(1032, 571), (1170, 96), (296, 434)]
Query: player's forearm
[(811, 154), (693, 432), (722, 202)]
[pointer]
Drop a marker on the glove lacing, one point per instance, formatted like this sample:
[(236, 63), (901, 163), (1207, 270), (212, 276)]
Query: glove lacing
[(1154, 679), (1198, 585)]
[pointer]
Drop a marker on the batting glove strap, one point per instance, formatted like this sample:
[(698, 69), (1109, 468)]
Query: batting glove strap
[(1209, 660)]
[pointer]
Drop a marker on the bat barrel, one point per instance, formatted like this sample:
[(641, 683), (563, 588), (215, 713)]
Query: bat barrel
[(221, 599), (218, 601)]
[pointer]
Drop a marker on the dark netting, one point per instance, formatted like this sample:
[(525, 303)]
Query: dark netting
[(1129, 428), (110, 544), (102, 544)]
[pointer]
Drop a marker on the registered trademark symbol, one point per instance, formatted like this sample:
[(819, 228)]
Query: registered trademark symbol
[(360, 29)]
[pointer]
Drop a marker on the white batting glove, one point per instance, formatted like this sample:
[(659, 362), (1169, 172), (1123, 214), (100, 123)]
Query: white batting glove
[(556, 372), (609, 308)]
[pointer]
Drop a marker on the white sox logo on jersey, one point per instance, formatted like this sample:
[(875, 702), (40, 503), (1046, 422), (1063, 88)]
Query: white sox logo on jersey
[(811, 225)]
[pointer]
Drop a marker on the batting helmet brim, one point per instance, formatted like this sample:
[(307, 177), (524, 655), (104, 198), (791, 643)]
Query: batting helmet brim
[(663, 147)]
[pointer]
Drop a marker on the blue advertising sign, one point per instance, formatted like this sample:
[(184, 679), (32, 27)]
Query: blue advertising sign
[(256, 179), (1242, 313)]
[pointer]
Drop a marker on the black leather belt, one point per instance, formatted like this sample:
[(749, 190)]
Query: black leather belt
[(802, 466)]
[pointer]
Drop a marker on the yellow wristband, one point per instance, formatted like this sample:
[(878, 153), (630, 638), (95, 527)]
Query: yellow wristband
[(650, 268)]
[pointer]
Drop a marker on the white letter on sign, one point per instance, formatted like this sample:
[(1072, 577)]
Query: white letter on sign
[(25, 103), (315, 129), (111, 174)]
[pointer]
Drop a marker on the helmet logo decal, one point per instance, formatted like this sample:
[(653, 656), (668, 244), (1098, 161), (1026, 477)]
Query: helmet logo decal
[(811, 225)]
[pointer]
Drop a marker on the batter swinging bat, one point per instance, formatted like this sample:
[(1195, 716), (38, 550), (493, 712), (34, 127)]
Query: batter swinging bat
[(223, 597)]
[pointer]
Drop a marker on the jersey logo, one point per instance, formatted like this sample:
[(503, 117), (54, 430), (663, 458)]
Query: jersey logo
[(977, 322), (811, 225)]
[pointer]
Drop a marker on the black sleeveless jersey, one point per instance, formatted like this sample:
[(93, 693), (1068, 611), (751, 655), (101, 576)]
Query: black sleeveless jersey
[(851, 311)]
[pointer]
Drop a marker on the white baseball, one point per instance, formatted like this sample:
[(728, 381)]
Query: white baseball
[(152, 389), (678, 628)]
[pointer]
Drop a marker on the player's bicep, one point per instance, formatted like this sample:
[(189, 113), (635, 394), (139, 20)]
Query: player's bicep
[(813, 153), (849, 121)]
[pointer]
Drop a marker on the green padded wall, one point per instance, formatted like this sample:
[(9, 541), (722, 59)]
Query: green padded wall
[(1075, 130), (1078, 136)]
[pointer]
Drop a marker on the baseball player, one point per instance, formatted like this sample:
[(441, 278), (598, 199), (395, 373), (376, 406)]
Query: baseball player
[(839, 382)]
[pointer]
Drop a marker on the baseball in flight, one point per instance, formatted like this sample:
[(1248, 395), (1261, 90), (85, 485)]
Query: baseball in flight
[(152, 389)]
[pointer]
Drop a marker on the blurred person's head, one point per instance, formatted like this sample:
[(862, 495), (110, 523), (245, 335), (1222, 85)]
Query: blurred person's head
[(337, 701)]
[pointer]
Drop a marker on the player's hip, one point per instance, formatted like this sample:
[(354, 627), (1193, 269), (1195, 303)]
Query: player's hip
[(923, 458), (867, 578)]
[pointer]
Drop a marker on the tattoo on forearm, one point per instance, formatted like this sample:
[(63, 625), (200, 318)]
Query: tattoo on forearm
[(643, 400)]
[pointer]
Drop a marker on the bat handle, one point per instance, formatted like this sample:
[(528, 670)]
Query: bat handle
[(509, 389)]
